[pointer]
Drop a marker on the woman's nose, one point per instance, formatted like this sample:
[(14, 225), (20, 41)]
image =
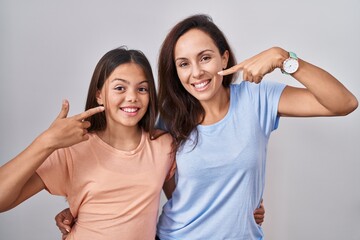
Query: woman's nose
[(197, 71)]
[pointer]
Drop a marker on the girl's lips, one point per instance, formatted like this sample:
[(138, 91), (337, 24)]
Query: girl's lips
[(130, 109)]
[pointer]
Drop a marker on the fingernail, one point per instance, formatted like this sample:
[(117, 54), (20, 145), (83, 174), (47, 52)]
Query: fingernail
[(66, 221), (221, 72), (68, 230)]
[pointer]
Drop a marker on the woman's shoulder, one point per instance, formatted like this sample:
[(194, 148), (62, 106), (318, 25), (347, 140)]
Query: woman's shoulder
[(255, 88)]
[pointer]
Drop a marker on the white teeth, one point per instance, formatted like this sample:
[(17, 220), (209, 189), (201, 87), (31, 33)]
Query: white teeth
[(130, 110), (201, 85)]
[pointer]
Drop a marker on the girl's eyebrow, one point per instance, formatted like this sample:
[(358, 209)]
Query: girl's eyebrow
[(200, 53), (120, 79), (128, 82)]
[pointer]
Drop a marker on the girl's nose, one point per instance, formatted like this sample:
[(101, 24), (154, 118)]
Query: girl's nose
[(131, 96)]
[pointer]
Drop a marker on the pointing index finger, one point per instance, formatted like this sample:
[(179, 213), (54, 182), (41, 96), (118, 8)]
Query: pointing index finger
[(89, 113), (231, 70)]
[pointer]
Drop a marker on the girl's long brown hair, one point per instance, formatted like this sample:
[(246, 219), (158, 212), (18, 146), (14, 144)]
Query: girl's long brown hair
[(103, 70)]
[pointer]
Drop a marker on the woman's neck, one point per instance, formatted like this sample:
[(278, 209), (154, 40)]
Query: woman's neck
[(217, 107), (122, 138)]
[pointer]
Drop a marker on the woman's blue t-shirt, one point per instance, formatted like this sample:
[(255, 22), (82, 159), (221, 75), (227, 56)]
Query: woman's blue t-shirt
[(220, 181)]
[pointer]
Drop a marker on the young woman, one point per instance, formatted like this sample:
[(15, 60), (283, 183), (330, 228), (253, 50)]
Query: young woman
[(221, 130), (109, 162)]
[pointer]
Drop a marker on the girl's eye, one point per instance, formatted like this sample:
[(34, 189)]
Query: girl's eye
[(143, 90), (119, 88)]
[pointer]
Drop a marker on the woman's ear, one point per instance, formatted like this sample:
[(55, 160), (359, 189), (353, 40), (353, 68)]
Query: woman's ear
[(225, 59)]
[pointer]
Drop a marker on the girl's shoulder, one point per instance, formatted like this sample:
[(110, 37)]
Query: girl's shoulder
[(160, 134), (160, 139)]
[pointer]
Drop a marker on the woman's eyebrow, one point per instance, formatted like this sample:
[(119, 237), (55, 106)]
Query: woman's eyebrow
[(206, 50), (200, 53)]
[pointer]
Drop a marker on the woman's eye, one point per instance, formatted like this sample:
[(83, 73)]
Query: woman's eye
[(205, 58), (183, 64)]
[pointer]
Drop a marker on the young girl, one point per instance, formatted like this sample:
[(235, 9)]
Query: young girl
[(109, 162), (222, 130)]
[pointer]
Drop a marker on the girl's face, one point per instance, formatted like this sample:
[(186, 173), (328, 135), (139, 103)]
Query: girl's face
[(125, 95), (198, 61)]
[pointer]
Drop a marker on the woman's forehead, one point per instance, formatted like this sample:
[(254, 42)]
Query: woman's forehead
[(193, 42)]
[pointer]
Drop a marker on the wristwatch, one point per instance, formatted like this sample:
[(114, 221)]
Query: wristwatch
[(291, 64)]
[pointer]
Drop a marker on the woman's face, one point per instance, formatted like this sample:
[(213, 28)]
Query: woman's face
[(125, 95), (198, 61)]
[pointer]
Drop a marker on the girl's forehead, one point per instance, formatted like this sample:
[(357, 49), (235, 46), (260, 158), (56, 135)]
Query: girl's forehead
[(128, 67), (128, 72)]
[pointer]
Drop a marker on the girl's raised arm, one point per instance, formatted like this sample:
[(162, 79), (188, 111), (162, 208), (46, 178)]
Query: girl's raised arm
[(18, 178)]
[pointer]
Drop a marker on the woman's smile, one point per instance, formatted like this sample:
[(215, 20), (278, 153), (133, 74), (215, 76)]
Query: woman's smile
[(201, 86)]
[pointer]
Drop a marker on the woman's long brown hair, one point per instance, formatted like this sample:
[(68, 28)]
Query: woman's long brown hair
[(180, 112)]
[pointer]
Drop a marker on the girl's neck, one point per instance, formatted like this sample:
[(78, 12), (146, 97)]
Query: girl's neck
[(217, 107), (124, 138)]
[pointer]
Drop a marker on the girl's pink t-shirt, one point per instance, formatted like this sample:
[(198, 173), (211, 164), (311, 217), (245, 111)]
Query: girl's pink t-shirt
[(114, 194)]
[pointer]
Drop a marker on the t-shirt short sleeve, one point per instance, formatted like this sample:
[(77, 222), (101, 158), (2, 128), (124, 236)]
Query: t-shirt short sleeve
[(54, 172), (265, 97)]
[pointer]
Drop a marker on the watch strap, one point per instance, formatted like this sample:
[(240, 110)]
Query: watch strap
[(293, 55)]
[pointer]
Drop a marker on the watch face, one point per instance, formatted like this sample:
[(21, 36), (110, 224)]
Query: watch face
[(290, 65)]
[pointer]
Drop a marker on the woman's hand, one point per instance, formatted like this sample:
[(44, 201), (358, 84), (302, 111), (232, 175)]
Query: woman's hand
[(259, 214), (64, 220), (256, 67)]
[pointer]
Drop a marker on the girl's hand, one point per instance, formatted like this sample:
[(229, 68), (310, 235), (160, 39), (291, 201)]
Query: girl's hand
[(256, 67), (66, 131)]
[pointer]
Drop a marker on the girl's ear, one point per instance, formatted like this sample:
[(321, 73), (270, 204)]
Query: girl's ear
[(225, 59), (99, 98)]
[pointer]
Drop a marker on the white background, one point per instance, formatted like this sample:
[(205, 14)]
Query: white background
[(48, 50)]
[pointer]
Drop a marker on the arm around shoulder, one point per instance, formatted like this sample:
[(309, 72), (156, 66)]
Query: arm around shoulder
[(169, 187)]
